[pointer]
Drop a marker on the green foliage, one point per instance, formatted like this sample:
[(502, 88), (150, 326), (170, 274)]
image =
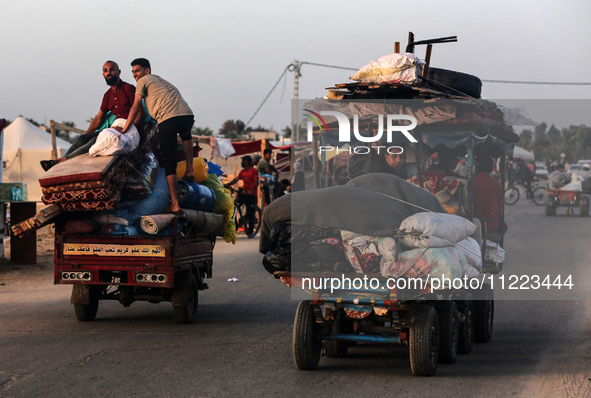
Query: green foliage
[(200, 131), (232, 129), (287, 132), (548, 143)]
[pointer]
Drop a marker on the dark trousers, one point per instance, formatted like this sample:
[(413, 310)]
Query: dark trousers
[(82, 145), (251, 202)]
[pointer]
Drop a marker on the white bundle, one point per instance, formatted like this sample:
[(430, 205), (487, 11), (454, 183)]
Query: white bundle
[(112, 142), (393, 68), (472, 251), (436, 229)]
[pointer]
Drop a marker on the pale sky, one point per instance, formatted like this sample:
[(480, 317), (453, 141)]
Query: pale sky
[(225, 56)]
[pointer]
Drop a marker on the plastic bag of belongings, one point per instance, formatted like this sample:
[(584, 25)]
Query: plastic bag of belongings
[(375, 224)]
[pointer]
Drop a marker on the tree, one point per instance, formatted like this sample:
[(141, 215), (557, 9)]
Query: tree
[(287, 132), (65, 134), (232, 129), (258, 128), (206, 131)]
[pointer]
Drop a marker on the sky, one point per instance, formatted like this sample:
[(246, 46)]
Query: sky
[(225, 56)]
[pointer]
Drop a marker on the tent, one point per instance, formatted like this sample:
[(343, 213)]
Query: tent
[(25, 145), (519, 152)]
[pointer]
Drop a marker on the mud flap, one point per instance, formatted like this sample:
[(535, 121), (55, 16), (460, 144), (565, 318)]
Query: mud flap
[(80, 294)]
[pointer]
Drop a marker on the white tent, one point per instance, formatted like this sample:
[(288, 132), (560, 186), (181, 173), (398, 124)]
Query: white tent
[(522, 153), (25, 145)]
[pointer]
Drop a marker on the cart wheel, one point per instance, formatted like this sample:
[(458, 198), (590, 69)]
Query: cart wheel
[(466, 328), (336, 348), (424, 341), (307, 345), (511, 196), (584, 207), (539, 196), (448, 326), (484, 314), (86, 312), (550, 210), (185, 298)]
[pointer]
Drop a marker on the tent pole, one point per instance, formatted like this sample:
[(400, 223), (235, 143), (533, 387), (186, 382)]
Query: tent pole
[(53, 143)]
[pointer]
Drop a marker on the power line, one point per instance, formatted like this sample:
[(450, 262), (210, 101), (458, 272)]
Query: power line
[(328, 66), (545, 83), (291, 68), (265, 100)]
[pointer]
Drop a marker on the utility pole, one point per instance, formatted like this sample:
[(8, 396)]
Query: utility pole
[(296, 96)]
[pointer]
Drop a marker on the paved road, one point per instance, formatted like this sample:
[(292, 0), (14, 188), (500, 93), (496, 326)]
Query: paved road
[(241, 345)]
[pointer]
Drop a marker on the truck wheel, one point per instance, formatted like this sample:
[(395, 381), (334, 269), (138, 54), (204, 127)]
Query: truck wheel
[(550, 210), (466, 328), (87, 312), (424, 341), (186, 293), (336, 348), (584, 207), (448, 326), (307, 345), (484, 314)]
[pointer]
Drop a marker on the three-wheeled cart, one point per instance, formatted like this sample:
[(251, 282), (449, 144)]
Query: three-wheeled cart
[(570, 199), (435, 326), (134, 268)]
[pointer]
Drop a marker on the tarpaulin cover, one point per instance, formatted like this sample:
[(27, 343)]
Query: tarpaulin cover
[(448, 122), (244, 148)]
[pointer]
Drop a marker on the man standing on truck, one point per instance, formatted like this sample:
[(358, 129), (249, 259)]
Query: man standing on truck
[(165, 104), (118, 100)]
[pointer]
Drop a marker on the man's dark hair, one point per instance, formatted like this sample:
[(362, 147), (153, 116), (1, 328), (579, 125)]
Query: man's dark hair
[(144, 63), (266, 151), (485, 164)]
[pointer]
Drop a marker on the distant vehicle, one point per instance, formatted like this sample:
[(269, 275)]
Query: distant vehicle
[(583, 161), (541, 170), (575, 169)]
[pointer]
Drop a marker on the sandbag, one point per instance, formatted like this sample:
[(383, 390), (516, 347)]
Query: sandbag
[(112, 142), (436, 229)]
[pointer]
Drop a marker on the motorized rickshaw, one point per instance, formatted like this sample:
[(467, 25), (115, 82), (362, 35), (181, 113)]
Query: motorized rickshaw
[(434, 324)]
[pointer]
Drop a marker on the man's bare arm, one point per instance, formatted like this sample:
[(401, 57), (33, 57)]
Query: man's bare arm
[(133, 114), (96, 122)]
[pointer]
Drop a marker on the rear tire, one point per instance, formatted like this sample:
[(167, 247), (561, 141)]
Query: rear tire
[(424, 341), (448, 326), (466, 328), (307, 346), (550, 210), (187, 292), (511, 196), (484, 314), (337, 348), (584, 207), (87, 312)]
